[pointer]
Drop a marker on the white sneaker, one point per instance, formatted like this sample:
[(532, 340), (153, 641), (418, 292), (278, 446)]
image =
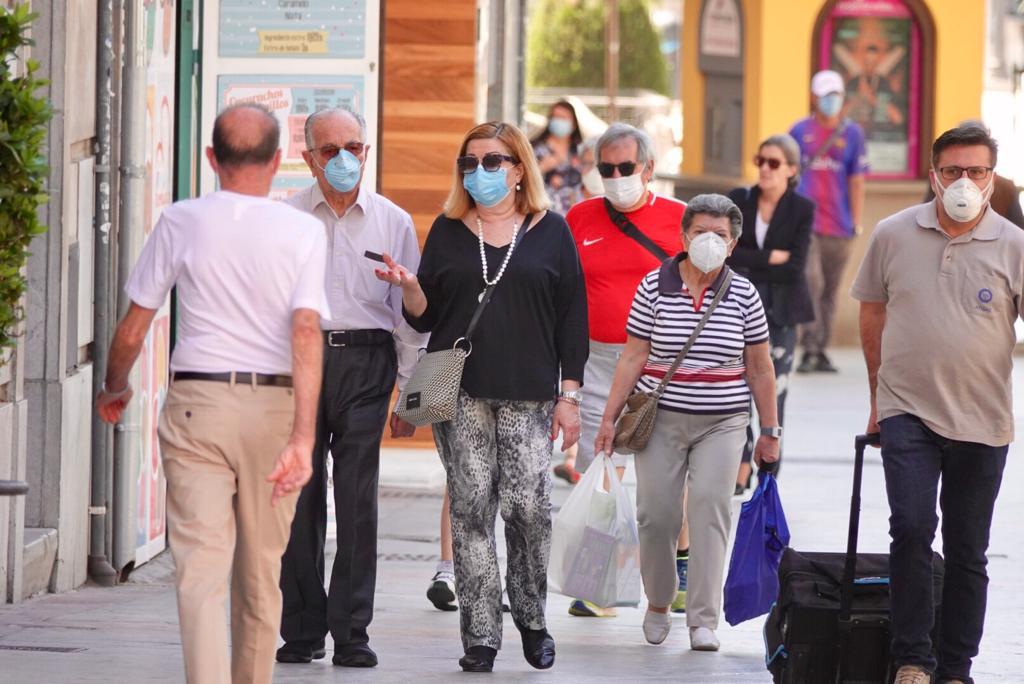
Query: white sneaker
[(441, 591), (656, 626), (703, 639)]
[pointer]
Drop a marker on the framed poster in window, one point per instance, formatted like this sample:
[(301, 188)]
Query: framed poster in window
[(876, 46)]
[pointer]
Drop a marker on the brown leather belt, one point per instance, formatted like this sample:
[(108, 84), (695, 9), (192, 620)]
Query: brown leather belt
[(239, 378)]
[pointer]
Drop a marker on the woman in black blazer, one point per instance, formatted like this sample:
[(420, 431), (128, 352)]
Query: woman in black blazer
[(772, 253)]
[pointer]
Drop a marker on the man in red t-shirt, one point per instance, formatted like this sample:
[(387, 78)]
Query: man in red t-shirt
[(615, 260)]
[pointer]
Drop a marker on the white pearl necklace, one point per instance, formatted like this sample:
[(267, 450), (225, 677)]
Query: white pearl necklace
[(483, 254)]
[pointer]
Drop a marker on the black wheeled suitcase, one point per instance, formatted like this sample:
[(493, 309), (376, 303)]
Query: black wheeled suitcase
[(830, 624)]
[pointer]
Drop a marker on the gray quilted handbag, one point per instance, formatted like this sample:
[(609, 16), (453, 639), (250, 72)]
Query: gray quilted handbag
[(432, 393)]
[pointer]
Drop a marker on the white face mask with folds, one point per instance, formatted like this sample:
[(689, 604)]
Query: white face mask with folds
[(707, 251), (624, 192), (592, 181)]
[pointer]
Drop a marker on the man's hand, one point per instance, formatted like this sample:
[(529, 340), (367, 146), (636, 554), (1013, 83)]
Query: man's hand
[(401, 429), (292, 470), (110, 405), (766, 450), (566, 420), (873, 428)]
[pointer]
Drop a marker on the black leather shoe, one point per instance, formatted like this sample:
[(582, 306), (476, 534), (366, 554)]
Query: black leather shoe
[(478, 659), (538, 648), (825, 365), (301, 652), (808, 363), (355, 655)]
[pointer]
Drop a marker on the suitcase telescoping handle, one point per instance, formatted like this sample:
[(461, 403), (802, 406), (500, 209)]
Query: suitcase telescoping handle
[(850, 568)]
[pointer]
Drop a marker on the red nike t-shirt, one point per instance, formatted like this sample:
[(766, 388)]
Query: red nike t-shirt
[(614, 264)]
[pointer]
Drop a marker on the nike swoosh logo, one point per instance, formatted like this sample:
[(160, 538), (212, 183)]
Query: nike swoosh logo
[(587, 243)]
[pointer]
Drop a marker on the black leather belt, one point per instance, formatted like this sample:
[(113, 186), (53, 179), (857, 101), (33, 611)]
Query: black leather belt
[(356, 338), (240, 378)]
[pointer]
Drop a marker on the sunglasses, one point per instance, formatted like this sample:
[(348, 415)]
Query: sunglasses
[(331, 151), (607, 169), (491, 162), (772, 162)]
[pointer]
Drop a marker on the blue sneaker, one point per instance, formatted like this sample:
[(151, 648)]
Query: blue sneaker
[(682, 567)]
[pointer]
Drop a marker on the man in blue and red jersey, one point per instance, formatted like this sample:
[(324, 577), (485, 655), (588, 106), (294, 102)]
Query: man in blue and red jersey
[(620, 237), (834, 161)]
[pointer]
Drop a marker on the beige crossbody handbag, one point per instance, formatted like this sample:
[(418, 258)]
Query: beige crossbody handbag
[(633, 428), (432, 393)]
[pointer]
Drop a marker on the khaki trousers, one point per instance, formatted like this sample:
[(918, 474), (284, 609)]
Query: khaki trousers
[(826, 261), (219, 441), (706, 449)]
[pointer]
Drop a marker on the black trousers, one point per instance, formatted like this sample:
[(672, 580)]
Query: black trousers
[(357, 384)]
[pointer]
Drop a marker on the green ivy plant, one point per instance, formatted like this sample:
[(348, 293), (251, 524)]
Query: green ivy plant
[(23, 171)]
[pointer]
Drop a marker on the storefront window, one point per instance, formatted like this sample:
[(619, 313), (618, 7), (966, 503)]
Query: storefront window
[(876, 46)]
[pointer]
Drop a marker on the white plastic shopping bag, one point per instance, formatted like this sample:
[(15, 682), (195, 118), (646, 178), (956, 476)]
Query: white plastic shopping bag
[(595, 548)]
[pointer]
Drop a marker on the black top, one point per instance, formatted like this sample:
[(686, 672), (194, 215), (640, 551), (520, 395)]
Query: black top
[(533, 331), (783, 287)]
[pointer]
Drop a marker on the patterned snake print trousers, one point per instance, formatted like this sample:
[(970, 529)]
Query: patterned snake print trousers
[(498, 454)]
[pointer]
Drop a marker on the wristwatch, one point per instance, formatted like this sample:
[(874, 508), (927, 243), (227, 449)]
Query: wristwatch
[(571, 396), (775, 432)]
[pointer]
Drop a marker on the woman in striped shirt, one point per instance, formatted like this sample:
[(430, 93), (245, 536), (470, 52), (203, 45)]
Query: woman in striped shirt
[(702, 416)]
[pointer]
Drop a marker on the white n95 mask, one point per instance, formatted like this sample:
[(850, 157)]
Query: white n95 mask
[(963, 200), (707, 251)]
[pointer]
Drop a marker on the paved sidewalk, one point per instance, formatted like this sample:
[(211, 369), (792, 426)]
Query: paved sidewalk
[(130, 633)]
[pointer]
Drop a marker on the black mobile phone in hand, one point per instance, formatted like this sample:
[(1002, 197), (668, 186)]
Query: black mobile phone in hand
[(373, 255)]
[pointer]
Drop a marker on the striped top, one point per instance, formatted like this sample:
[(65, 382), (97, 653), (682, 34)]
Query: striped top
[(710, 379)]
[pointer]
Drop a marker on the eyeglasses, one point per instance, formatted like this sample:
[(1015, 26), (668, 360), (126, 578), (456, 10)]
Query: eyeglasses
[(607, 169), (772, 162), (952, 173), (491, 162), (331, 151)]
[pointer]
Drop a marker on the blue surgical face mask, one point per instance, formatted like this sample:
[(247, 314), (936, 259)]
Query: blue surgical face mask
[(487, 188), (343, 171), (830, 104), (560, 128)]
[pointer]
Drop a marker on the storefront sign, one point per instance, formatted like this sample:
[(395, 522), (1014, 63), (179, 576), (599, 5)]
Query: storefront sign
[(293, 28)]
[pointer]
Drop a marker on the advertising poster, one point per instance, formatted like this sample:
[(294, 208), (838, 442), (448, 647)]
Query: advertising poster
[(151, 487), (292, 99), (874, 45), (334, 29)]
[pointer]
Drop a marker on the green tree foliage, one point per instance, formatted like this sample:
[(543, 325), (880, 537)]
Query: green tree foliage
[(566, 47), (23, 171)]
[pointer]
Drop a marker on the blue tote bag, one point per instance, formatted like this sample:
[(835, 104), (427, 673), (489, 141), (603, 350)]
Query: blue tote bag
[(761, 535)]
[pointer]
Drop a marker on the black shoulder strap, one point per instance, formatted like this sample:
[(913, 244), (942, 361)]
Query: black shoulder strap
[(631, 231), (489, 291), (823, 150)]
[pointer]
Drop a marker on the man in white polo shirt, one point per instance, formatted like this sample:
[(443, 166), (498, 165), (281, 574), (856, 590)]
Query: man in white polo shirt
[(940, 288), (237, 427), (367, 344)]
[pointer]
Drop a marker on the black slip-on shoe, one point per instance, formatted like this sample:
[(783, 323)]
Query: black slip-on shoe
[(301, 652), (825, 364), (808, 363), (478, 659), (355, 655), (538, 648)]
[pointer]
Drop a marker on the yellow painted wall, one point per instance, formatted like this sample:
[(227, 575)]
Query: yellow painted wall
[(777, 61)]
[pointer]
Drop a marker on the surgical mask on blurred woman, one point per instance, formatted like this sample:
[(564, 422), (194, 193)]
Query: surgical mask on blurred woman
[(487, 188), (560, 128), (707, 251), (592, 182)]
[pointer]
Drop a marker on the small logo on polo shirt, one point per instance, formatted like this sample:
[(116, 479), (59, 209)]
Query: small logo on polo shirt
[(984, 295)]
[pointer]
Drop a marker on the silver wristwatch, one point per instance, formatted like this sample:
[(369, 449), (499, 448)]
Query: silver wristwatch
[(775, 432), (572, 396)]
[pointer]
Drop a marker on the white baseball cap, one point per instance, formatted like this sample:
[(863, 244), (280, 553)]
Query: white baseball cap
[(825, 82)]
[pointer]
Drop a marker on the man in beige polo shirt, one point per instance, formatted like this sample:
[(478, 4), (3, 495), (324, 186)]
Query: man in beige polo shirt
[(940, 289), (237, 427)]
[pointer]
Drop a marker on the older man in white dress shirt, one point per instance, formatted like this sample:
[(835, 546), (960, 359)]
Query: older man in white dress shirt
[(367, 343)]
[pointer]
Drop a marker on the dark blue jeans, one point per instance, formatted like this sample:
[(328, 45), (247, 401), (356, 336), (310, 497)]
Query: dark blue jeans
[(915, 458)]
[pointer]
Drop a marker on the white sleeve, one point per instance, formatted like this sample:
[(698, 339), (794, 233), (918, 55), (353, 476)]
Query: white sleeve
[(408, 342), (156, 269), (309, 289)]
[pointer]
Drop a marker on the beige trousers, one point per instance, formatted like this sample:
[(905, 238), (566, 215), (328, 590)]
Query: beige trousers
[(707, 450), (219, 441)]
